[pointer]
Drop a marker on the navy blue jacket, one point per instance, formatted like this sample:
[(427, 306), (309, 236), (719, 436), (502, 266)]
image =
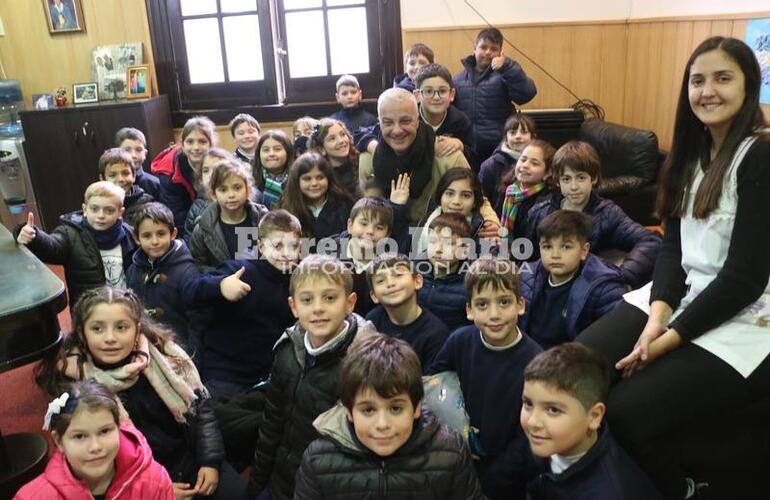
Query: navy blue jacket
[(613, 229), (491, 173), (486, 98), (355, 118), (605, 472), (403, 81), (332, 219), (445, 297), (597, 289), (237, 346), (160, 284), (148, 182), (492, 382)]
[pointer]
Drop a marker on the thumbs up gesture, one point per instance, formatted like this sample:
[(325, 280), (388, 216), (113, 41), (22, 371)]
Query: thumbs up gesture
[(498, 61), (232, 288), (27, 232)]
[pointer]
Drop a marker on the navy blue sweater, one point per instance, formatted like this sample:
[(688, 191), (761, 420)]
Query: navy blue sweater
[(237, 346), (492, 382), (426, 334), (355, 118), (605, 472)]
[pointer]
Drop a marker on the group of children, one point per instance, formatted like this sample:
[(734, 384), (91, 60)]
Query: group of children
[(229, 277)]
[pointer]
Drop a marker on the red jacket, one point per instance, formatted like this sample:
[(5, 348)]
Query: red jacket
[(137, 475), (167, 163)]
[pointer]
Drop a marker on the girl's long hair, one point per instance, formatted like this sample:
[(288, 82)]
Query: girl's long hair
[(319, 134), (49, 373), (294, 201), (459, 174), (692, 140), (256, 163), (548, 152)]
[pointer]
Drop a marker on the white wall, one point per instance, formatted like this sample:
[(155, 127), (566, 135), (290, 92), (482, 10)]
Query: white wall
[(665, 8)]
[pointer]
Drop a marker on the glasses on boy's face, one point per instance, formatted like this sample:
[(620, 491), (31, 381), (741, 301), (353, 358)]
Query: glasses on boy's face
[(429, 93)]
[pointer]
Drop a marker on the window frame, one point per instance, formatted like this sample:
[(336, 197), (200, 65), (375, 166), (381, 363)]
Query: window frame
[(304, 96)]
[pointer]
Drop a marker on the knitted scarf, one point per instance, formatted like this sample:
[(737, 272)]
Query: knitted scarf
[(514, 196), (109, 238), (417, 162), (175, 380), (273, 188)]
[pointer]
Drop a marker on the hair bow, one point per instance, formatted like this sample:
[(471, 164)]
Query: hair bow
[(316, 132), (55, 407)]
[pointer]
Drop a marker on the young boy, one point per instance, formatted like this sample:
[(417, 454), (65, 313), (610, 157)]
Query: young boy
[(569, 288), (133, 142), (443, 292), (245, 130), (249, 308), (416, 56), (94, 245), (390, 438), (563, 405), (486, 88), (161, 266), (577, 167), (115, 166), (349, 95), (489, 358), (305, 372), (393, 284)]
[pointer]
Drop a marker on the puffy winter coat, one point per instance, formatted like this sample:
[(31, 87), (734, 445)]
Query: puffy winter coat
[(491, 173), (132, 202), (445, 297), (613, 229), (176, 176), (301, 388), (137, 475), (434, 463)]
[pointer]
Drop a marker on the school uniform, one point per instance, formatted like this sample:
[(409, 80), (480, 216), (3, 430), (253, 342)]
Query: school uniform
[(403, 81), (332, 218), (354, 118), (445, 297), (148, 182), (133, 201)]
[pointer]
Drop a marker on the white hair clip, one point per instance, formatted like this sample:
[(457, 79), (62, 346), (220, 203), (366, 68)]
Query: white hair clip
[(54, 408)]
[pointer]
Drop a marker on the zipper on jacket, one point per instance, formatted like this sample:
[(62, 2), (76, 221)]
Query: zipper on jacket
[(383, 480)]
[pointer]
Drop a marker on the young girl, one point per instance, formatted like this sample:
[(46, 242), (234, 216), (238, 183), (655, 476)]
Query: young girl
[(520, 129), (97, 455), (115, 343), (177, 166), (301, 131), (271, 165), (525, 185), (213, 156), (215, 238), (316, 197), (333, 141)]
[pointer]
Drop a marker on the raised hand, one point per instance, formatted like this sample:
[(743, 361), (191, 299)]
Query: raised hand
[(498, 61), (399, 189), (232, 288), (27, 232)]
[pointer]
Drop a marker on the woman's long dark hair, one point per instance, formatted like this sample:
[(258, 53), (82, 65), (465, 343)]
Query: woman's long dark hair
[(256, 164), (692, 140)]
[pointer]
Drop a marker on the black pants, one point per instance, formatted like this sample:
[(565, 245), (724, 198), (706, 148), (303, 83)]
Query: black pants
[(648, 411)]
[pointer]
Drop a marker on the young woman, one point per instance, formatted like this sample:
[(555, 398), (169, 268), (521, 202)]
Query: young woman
[(704, 339)]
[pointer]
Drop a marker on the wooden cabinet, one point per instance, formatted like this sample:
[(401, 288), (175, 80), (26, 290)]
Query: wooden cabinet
[(63, 147)]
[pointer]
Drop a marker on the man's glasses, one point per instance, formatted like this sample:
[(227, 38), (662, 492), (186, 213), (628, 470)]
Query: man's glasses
[(429, 93)]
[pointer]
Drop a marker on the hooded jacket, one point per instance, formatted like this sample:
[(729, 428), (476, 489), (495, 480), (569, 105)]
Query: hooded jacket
[(433, 463), (301, 388), (176, 178), (137, 475)]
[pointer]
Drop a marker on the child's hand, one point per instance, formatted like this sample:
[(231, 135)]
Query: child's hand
[(490, 229), (183, 491), (498, 61), (232, 288), (399, 190), (27, 232), (446, 145), (208, 479)]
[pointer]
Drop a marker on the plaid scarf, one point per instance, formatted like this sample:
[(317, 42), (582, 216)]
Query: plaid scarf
[(514, 195), (173, 375), (273, 188)]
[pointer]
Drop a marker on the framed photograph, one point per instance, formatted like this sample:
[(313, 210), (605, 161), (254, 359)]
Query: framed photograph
[(109, 65), (42, 101), (64, 16), (83, 93), (139, 81)]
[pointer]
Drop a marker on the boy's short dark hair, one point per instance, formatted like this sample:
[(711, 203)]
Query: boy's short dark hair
[(501, 274), (457, 223), (492, 35), (386, 365), (419, 49), (279, 220), (565, 223), (367, 184), (574, 369), (243, 118), (376, 208), (316, 266), (129, 133), (156, 212), (387, 260), (580, 157), (113, 156), (431, 70)]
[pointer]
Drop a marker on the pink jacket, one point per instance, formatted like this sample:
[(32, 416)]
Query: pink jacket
[(137, 475)]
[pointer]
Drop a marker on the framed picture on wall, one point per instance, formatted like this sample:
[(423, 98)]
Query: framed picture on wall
[(139, 81), (64, 16), (84, 93)]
